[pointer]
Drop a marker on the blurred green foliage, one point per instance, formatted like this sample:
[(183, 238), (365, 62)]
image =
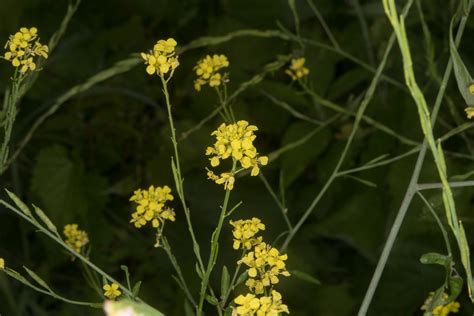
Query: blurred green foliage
[(83, 164)]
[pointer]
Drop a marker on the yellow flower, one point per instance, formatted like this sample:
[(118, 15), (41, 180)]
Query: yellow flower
[(471, 88), (111, 291), (227, 179), (235, 141), (265, 265), (249, 304), (444, 308), (162, 58), (151, 206), (22, 48), (262, 306), (244, 233), (76, 239), (207, 71), (2, 263), (469, 112), (297, 69)]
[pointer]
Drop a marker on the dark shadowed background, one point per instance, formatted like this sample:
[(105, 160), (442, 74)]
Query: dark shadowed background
[(84, 162)]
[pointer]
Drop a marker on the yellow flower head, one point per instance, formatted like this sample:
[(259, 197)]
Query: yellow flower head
[(471, 88), (244, 233), (249, 304), (444, 309), (297, 69), (265, 264), (207, 71), (469, 112), (162, 58), (151, 206), (235, 141), (2, 263), (76, 239), (22, 48), (263, 306), (111, 291)]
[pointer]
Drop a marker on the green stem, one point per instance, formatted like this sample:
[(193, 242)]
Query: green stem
[(174, 262), (232, 284), (69, 249), (16, 275), (10, 116), (439, 185), (412, 188), (178, 176), (365, 118), (214, 250), (438, 221), (359, 116), (282, 207)]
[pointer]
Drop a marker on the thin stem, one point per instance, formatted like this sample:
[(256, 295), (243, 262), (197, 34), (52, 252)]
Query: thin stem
[(321, 20), (412, 187), (232, 284), (214, 249), (282, 207), (438, 185), (16, 275), (69, 249), (380, 163), (178, 177), (438, 221), (335, 107), (174, 262), (359, 116), (365, 30), (10, 116)]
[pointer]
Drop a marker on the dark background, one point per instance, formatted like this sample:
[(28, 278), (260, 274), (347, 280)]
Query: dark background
[(83, 164)]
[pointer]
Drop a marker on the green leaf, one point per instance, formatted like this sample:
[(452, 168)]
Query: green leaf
[(463, 77), (436, 258), (305, 277), (212, 300), (242, 277), (38, 280), (363, 181), (22, 206), (455, 287), (46, 220), (136, 288), (225, 281), (465, 258)]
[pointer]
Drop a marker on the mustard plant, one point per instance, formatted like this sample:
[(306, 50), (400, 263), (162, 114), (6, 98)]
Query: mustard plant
[(233, 152)]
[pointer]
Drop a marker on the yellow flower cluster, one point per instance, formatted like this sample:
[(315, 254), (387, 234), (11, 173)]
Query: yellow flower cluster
[(162, 58), (2, 263), (471, 88), (151, 206), (297, 69), (235, 140), (262, 306), (244, 233), (111, 291), (443, 309), (265, 265), (76, 238), (22, 47), (207, 71)]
